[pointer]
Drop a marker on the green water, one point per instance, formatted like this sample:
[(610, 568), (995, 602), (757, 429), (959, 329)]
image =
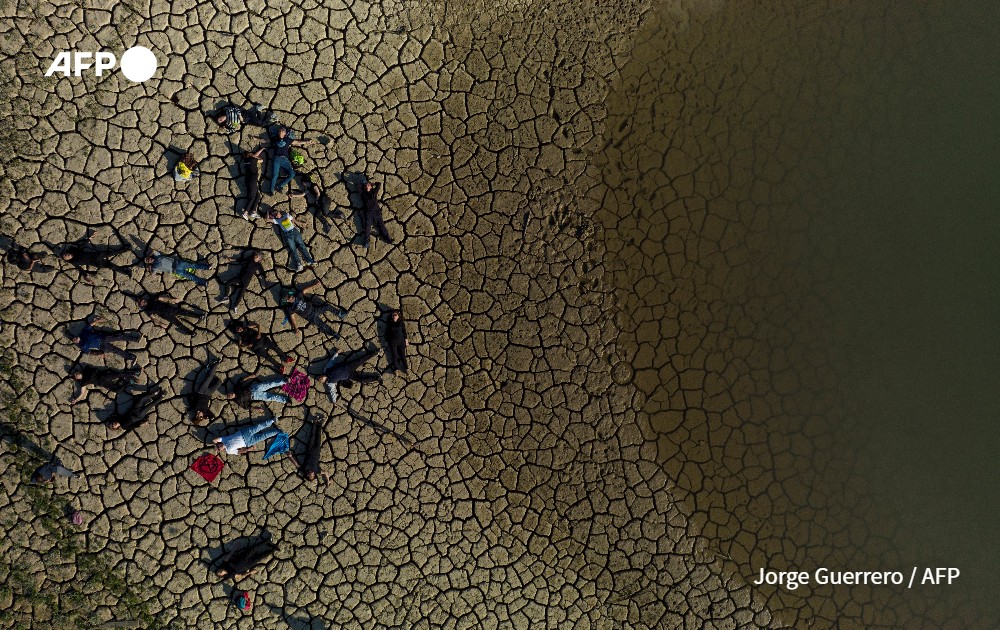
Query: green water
[(915, 224), (839, 237)]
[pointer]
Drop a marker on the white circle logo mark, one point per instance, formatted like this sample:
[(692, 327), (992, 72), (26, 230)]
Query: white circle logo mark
[(138, 64)]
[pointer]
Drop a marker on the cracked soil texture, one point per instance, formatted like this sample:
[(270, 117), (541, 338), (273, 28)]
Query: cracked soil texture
[(562, 474)]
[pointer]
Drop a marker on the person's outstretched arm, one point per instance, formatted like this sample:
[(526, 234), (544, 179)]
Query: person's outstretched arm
[(309, 288), (81, 395)]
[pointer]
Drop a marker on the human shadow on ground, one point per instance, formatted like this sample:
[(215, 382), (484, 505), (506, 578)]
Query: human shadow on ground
[(299, 623), (218, 554), (19, 439), (353, 183)]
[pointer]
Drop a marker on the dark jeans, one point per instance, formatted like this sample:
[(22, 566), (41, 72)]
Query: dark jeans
[(263, 348), (109, 339), (373, 219), (294, 244), (253, 195), (258, 117)]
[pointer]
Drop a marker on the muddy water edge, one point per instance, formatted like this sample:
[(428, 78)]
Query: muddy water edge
[(746, 203)]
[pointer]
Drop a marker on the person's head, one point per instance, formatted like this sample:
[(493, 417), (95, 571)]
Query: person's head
[(199, 415), (221, 573), (311, 475), (67, 256), (189, 160), (221, 118), (38, 478), (77, 374), (114, 425), (396, 315), (282, 131), (369, 186), (230, 395), (142, 302), (239, 328), (256, 255), (149, 260), (322, 379), (76, 340)]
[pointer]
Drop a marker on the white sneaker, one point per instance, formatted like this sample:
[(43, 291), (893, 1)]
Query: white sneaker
[(246, 216), (299, 268)]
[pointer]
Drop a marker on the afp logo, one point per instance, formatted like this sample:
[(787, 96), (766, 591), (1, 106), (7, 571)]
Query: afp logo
[(138, 63)]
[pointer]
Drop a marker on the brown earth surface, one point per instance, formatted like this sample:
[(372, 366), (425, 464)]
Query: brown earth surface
[(590, 448)]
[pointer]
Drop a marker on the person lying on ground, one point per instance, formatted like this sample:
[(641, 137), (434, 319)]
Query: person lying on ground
[(298, 303), (97, 342), (247, 391), (166, 311), (345, 373), (112, 380), (281, 147), (186, 168), (371, 214), (46, 473), (291, 238), (200, 398), (251, 179), (161, 263), (26, 260), (243, 441), (318, 199), (396, 341), (138, 413), (244, 562), (88, 259), (232, 118), (249, 337), (310, 464), (251, 264)]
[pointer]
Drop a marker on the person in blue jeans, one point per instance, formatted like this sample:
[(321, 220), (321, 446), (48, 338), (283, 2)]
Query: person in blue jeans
[(161, 263), (244, 440), (292, 238), (282, 147), (246, 392)]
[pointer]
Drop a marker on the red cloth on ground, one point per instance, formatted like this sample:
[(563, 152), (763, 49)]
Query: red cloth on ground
[(297, 386), (208, 466)]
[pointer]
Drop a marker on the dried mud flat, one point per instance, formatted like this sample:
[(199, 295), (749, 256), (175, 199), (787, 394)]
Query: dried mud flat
[(534, 497)]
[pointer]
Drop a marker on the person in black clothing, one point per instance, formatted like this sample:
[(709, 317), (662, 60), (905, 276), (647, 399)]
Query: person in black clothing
[(166, 310), (251, 179), (112, 380), (26, 260), (297, 303), (87, 259), (236, 287), (345, 373), (318, 200), (396, 341), (249, 337), (243, 562), (310, 464), (200, 398), (97, 342), (138, 413), (372, 214)]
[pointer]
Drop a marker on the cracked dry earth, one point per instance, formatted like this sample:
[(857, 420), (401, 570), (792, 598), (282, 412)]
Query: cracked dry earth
[(563, 472)]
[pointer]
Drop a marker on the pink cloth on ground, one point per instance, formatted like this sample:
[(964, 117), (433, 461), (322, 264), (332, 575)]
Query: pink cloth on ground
[(297, 386)]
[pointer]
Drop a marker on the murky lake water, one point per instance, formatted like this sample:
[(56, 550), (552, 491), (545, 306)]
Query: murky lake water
[(801, 207)]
